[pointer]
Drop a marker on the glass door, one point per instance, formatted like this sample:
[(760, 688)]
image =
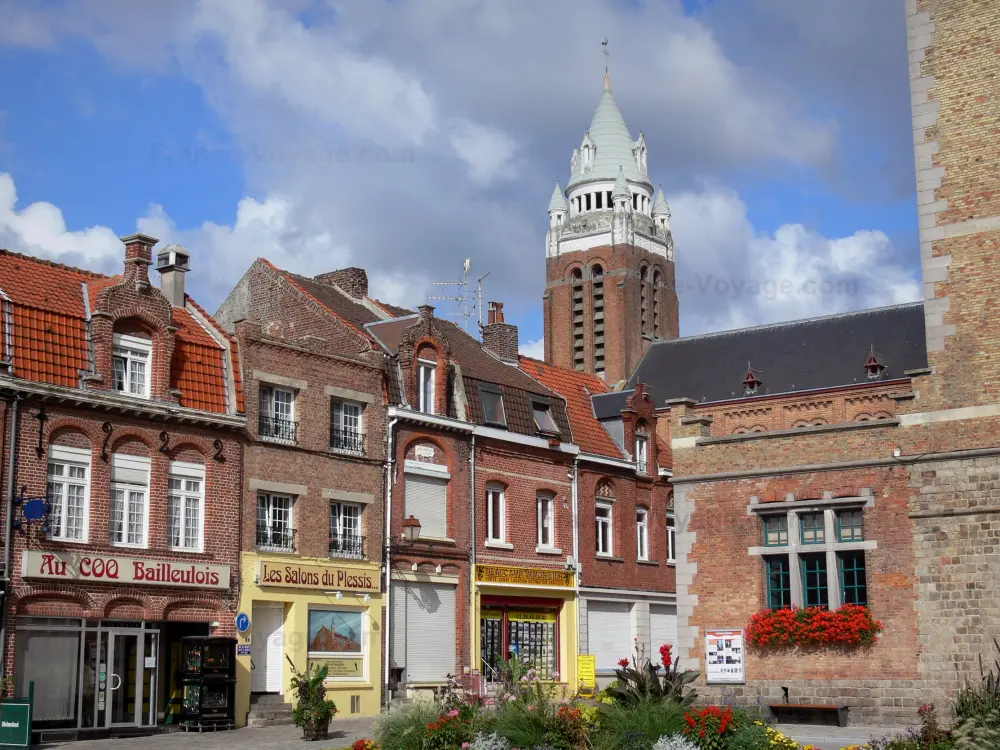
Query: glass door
[(491, 643), (124, 677)]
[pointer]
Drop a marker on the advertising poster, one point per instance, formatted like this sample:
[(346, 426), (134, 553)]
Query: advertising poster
[(724, 657)]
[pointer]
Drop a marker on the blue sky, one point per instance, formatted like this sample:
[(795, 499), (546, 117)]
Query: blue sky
[(405, 136)]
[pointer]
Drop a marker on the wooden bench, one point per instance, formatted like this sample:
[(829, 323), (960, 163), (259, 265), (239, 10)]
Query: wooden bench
[(803, 713)]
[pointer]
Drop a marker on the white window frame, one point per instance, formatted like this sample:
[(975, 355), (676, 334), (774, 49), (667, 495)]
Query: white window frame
[(271, 412), (362, 654), (642, 533), (339, 423), (139, 463), (269, 502), (610, 522), (340, 506), (183, 472), (491, 491), (132, 349), (545, 505), (671, 538), (642, 454), (426, 376), (80, 458)]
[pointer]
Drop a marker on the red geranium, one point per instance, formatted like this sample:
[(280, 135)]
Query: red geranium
[(851, 625)]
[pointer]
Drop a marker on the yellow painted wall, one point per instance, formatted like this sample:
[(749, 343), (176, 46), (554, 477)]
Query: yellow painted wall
[(296, 628)]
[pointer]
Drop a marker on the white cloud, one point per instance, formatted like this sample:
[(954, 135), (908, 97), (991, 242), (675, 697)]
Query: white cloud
[(534, 349), (732, 275), (487, 151)]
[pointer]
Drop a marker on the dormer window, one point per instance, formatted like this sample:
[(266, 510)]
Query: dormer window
[(493, 412), (132, 369), (542, 413), (426, 373), (873, 366), (751, 383)]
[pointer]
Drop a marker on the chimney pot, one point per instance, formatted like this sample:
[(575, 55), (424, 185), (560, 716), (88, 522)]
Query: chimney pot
[(499, 337), (173, 261), (138, 257), (426, 311)]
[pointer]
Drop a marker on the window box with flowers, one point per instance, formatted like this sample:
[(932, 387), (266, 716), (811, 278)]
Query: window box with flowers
[(852, 626)]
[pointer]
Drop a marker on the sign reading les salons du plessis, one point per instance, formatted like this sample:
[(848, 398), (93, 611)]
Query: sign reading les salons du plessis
[(84, 566), (307, 576)]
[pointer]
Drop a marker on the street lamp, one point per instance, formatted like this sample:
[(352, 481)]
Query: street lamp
[(411, 529)]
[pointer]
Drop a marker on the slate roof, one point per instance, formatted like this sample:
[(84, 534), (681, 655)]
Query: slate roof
[(577, 388), (49, 321), (801, 355)]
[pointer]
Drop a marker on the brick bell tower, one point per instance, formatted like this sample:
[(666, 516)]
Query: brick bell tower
[(609, 254)]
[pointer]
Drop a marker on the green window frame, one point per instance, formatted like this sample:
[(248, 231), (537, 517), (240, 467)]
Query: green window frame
[(779, 582), (813, 528), (851, 525), (775, 531), (814, 581), (853, 582)]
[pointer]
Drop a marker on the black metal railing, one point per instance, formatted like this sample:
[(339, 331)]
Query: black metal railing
[(347, 440), (347, 545), (278, 429), (640, 466), (275, 537)]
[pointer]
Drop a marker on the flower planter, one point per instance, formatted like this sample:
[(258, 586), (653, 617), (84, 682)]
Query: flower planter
[(851, 626), (317, 731)]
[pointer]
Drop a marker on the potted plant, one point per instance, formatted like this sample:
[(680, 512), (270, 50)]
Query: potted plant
[(313, 710)]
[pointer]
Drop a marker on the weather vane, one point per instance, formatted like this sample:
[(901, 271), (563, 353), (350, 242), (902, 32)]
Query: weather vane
[(607, 54)]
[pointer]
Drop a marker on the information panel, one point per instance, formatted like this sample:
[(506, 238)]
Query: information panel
[(724, 657)]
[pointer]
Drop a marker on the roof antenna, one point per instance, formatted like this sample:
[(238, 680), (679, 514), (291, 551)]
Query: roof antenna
[(461, 295)]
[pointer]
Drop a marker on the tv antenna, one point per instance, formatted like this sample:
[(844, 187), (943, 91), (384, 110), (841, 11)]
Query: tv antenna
[(461, 296)]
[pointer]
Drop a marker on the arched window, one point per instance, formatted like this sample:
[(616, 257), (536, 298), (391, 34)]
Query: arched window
[(644, 299), (577, 315), (597, 303)]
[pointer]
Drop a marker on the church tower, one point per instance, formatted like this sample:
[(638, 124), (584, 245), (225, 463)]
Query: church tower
[(609, 254)]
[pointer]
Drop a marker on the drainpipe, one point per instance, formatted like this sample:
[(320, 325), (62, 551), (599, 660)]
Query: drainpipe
[(472, 568), (389, 463), (576, 545), (8, 528)]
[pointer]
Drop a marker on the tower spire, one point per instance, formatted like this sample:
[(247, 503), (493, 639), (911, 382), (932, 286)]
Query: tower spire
[(607, 56)]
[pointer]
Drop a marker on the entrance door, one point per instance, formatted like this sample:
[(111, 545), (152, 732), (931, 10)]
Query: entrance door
[(124, 678), (267, 648)]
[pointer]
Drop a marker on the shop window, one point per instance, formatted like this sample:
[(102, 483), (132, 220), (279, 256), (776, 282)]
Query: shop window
[(186, 506), (129, 515), (426, 375), (775, 531), (545, 503), (276, 420), (68, 490), (493, 412), (642, 533), (339, 634), (853, 584), (814, 583), (605, 533), (525, 633), (813, 528), (850, 525), (274, 522), (496, 514), (779, 582), (671, 539), (131, 359)]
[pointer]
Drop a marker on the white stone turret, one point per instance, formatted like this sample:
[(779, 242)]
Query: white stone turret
[(623, 224), (661, 212)]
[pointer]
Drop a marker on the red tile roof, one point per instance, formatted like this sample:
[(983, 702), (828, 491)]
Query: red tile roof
[(577, 387), (50, 345)]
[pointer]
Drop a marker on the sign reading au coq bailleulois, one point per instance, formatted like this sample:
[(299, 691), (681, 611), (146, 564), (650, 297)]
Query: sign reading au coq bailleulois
[(84, 566), (306, 576)]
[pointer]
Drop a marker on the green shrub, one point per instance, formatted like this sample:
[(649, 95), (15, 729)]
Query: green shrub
[(749, 736), (637, 726), (405, 728)]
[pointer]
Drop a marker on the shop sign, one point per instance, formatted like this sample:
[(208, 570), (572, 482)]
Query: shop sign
[(531, 616), (15, 720), (340, 667), (724, 657), (306, 576), (586, 669), (524, 576), (85, 566)]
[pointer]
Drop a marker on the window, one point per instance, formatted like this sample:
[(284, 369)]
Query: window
[(545, 511), (69, 492), (813, 528), (427, 497), (339, 634), (775, 531), (185, 506), (129, 500), (671, 539), (277, 414), (131, 357), (814, 580), (853, 585), (493, 412), (642, 533), (426, 373), (605, 538), (597, 300), (640, 453), (345, 430), (543, 418), (851, 525), (779, 582), (496, 514), (274, 522), (345, 531)]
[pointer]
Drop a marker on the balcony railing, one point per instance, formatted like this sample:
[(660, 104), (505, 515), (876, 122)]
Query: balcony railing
[(275, 538), (347, 545), (640, 466), (278, 429), (347, 440)]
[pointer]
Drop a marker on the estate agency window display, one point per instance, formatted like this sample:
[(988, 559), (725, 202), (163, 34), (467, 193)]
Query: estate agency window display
[(338, 639), (531, 634)]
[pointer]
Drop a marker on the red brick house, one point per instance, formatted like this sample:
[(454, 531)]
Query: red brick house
[(123, 414)]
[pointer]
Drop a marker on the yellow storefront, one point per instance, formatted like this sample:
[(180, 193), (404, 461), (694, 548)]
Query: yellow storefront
[(298, 613), (530, 612)]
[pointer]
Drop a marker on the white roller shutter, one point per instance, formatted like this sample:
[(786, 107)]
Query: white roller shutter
[(424, 633), (129, 469), (662, 628), (427, 501), (609, 632)]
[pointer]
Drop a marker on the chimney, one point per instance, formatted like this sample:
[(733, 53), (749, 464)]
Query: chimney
[(138, 257), (353, 281), (173, 261), (426, 311), (499, 337)]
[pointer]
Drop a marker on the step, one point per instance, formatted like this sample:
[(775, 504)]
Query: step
[(257, 723), (271, 712), (267, 699)]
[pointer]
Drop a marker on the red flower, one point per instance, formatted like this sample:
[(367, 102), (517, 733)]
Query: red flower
[(623, 663), (666, 656)]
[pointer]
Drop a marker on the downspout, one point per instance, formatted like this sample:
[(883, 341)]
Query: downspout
[(8, 529), (472, 569), (577, 566), (389, 463)]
